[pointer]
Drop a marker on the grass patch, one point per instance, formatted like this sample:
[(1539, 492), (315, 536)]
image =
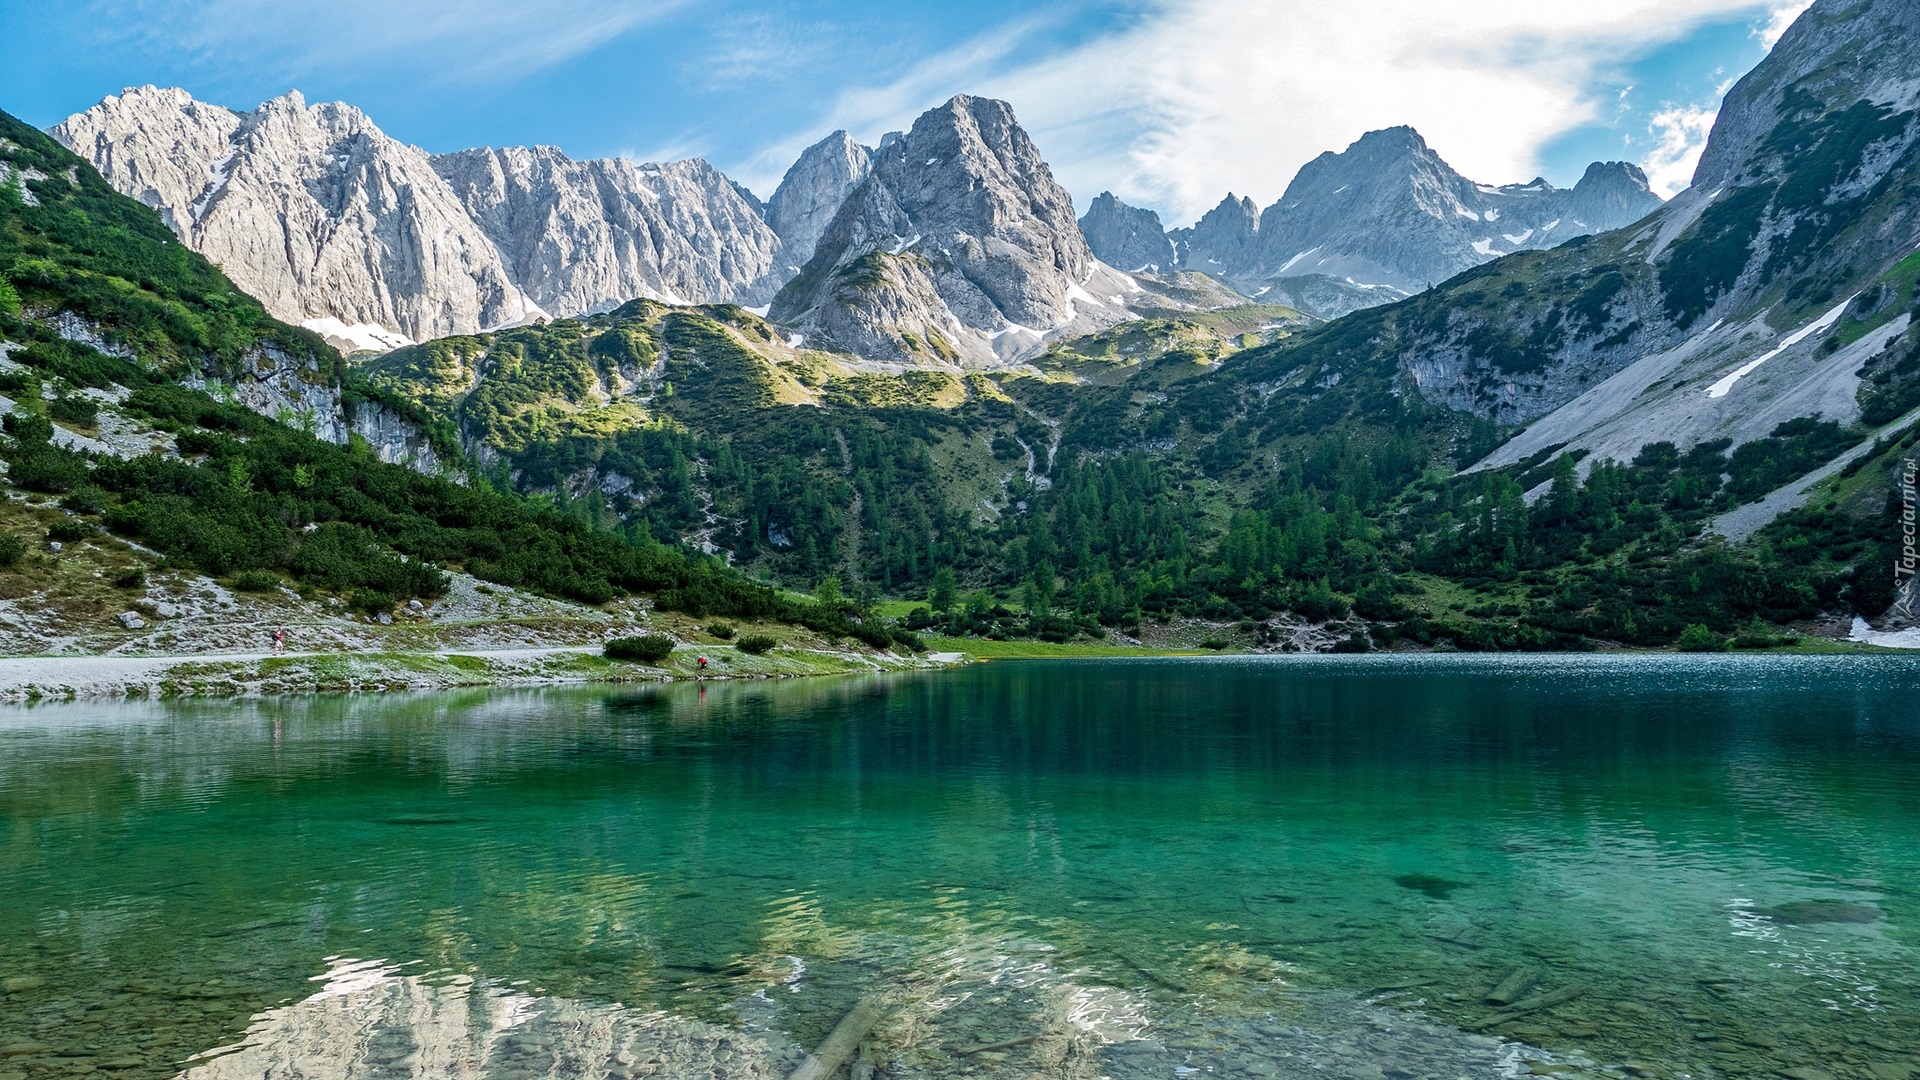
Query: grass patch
[(983, 649)]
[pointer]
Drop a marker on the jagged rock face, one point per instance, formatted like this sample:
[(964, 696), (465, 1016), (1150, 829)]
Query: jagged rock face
[(312, 209), (1125, 236), (960, 247), (811, 193), (586, 236), (1223, 241), (158, 146), (1389, 211)]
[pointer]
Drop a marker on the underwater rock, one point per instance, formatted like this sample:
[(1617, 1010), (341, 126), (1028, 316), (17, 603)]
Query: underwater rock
[(1437, 887), (1808, 912)]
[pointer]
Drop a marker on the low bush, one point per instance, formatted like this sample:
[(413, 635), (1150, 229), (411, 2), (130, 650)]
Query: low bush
[(12, 550), (85, 499), (1697, 638), (255, 581), (131, 578), (647, 648), (371, 601), (756, 643), (74, 409), (69, 531), (721, 631)]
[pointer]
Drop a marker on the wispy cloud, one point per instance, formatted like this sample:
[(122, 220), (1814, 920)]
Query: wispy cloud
[(760, 47), (471, 40), (1199, 97)]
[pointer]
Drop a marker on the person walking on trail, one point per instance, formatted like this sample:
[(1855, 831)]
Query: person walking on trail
[(280, 639)]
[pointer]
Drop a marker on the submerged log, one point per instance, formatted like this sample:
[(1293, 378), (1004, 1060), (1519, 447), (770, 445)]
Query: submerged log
[(1008, 1045), (1532, 1005), (841, 1042), (1511, 987)]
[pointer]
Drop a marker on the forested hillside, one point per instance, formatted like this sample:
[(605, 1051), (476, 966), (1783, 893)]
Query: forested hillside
[(123, 351)]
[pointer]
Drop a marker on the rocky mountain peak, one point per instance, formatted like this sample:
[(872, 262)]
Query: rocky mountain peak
[(1390, 215), (811, 193), (167, 173), (1126, 236), (311, 208), (1225, 237), (959, 246)]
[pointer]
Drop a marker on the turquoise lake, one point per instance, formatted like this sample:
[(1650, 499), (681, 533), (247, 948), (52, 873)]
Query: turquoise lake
[(1439, 866)]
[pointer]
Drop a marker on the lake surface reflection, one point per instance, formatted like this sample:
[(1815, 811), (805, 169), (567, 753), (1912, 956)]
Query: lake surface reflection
[(1367, 867)]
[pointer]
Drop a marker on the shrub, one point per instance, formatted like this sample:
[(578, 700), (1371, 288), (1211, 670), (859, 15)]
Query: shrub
[(85, 499), (1214, 643), (1356, 642), (371, 601), (132, 577), (49, 471), (69, 531), (1697, 638), (12, 550), (756, 643), (74, 409), (720, 630), (647, 648), (19, 385), (256, 581)]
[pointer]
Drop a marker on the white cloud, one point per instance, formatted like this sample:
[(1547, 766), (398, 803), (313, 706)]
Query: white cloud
[(1199, 97), (1779, 19), (1679, 134)]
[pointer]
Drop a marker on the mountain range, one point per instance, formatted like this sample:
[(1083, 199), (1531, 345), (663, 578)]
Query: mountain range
[(1383, 219), (1685, 423), (339, 227)]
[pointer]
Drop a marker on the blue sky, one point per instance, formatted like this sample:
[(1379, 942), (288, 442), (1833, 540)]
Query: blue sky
[(1170, 103)]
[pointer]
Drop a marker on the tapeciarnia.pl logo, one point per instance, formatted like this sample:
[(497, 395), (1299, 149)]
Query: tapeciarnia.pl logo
[(1904, 565)]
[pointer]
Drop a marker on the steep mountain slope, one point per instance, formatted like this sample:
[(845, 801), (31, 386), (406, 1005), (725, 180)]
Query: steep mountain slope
[(1761, 291), (811, 192), (312, 209), (958, 248), (582, 236)]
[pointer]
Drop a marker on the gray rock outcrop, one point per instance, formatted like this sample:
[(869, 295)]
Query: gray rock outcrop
[(312, 209), (811, 193), (1224, 241), (1125, 236), (959, 248), (587, 236)]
